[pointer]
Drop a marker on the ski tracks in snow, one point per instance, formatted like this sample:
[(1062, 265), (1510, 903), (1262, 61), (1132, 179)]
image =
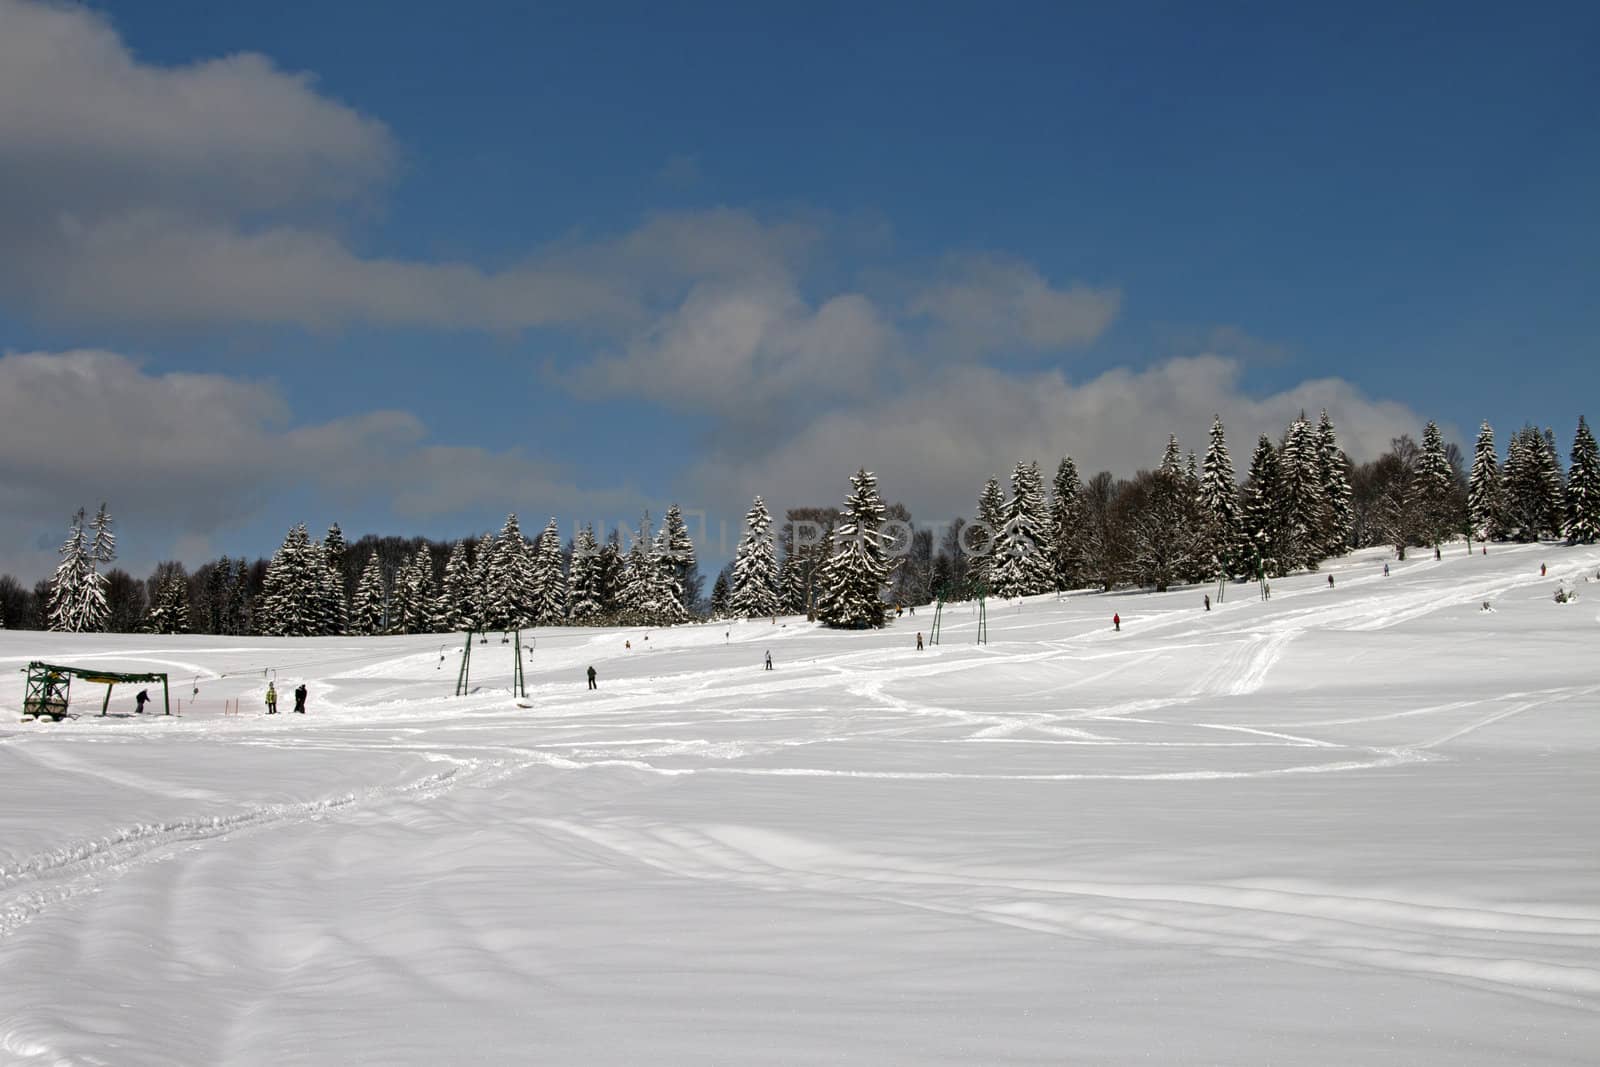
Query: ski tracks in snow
[(1545, 954)]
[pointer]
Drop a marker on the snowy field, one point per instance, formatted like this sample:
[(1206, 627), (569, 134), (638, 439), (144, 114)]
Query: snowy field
[(1349, 825)]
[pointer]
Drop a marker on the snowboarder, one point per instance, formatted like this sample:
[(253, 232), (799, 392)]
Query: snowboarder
[(1386, 570), (1116, 622), (769, 659), (300, 698), (919, 640), (1330, 581), (591, 679), (1436, 553), (1207, 599), (140, 701), (272, 699)]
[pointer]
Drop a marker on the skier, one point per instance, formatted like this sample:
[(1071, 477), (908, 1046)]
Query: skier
[(1386, 570), (919, 640), (1330, 581), (769, 659), (591, 679), (1436, 552), (627, 644), (1208, 601), (272, 699), (1116, 622), (140, 701), (300, 698), (1541, 570)]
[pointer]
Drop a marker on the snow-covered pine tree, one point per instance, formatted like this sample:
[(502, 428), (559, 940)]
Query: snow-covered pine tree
[(483, 581), (1066, 520), (1531, 478), (366, 615), (170, 612), (289, 594), (1333, 473), (1583, 488), (669, 592), (402, 613), (719, 593), (585, 590), (69, 586), (237, 612), (1299, 465), (1554, 492), (422, 595), (104, 549), (510, 601), (549, 578), (337, 602), (1262, 519), (1022, 550), (1219, 503), (1161, 534), (791, 585), (610, 575), (855, 574), (678, 560), (637, 603), (457, 602), (327, 604), (1486, 504), (1435, 487), (986, 528), (754, 589)]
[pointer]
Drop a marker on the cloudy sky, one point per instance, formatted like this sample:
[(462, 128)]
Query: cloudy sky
[(410, 269)]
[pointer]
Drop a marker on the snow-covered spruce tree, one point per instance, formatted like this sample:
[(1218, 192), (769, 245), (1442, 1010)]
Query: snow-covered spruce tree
[(1532, 477), (991, 516), (509, 602), (1022, 564), (719, 593), (754, 589), (337, 603), (1219, 504), (483, 580), (791, 584), (237, 612), (1486, 503), (1435, 487), (1334, 475), (1066, 521), (328, 610), (289, 595), (402, 615), (170, 612), (676, 556), (366, 616), (1161, 532), (669, 591), (638, 598), (70, 585), (457, 602), (1262, 518), (1583, 488), (1554, 490), (610, 575), (585, 588), (852, 583), (423, 594), (549, 578), (1306, 506)]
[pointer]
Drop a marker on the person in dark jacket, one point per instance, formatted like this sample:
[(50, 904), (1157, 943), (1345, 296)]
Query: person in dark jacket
[(592, 684), (769, 660), (300, 698), (141, 700)]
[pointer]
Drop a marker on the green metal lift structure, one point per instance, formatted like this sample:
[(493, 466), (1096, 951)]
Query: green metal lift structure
[(50, 685), (464, 675), (982, 592)]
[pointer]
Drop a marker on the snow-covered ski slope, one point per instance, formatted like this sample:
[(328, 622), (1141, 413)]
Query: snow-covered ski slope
[(1349, 825)]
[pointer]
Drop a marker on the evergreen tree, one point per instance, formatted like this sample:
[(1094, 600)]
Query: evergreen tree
[(1583, 488), (483, 582), (421, 598), (1553, 492), (549, 579), (855, 574), (458, 608), (1486, 504), (1262, 519), (104, 549), (637, 599), (294, 583), (754, 591), (1219, 504), (1304, 499), (1066, 520), (669, 592), (237, 613), (367, 614), (1532, 478), (336, 605), (719, 592), (1160, 533), (510, 601), (1435, 487), (586, 588), (1022, 549), (1333, 473), (981, 542), (170, 612), (77, 598), (610, 574), (676, 556)]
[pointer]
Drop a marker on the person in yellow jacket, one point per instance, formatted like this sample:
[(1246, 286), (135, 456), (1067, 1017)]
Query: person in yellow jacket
[(272, 699)]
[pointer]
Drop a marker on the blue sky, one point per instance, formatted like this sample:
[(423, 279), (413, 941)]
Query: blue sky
[(421, 268)]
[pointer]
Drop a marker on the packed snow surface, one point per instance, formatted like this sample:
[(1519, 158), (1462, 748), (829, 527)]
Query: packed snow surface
[(1357, 824)]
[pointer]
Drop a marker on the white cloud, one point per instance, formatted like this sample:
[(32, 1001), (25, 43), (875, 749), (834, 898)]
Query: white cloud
[(933, 444), (195, 454), (987, 304)]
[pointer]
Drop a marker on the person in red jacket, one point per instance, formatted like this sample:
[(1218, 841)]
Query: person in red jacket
[(1116, 622)]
